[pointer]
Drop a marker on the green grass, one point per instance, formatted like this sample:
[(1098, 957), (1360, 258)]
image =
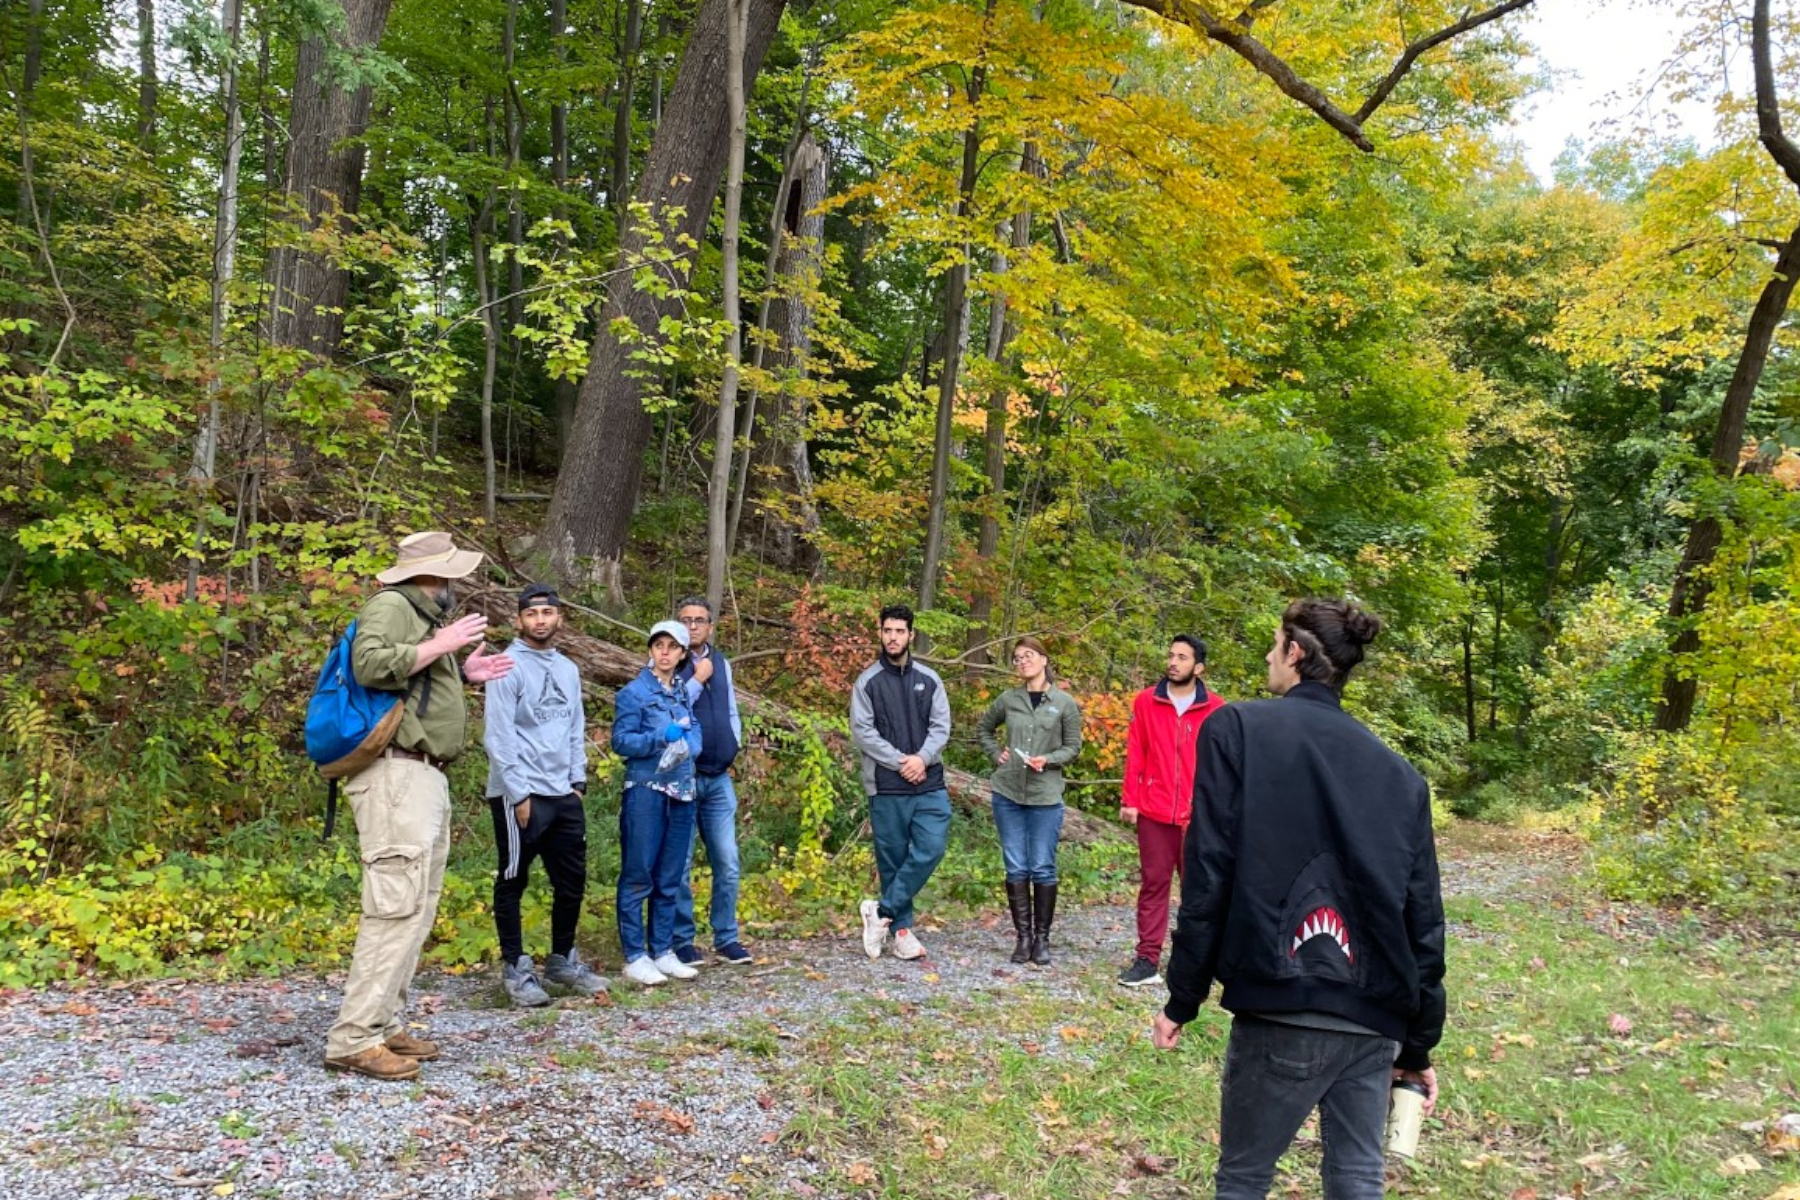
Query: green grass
[(1028, 1094)]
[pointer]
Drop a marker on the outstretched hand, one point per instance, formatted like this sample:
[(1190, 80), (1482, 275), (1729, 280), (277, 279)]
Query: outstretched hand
[(482, 667)]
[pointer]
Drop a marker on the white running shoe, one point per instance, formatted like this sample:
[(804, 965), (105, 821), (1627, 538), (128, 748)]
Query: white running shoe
[(874, 928), (643, 971), (907, 946), (674, 968)]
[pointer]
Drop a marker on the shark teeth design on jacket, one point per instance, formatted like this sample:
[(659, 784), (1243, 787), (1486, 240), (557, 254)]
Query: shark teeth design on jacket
[(1323, 922)]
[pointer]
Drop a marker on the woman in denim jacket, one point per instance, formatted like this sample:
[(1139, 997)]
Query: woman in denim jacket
[(655, 732)]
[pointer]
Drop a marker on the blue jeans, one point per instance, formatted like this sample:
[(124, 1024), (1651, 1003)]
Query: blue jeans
[(910, 834), (1275, 1075), (1028, 835), (655, 834), (715, 812)]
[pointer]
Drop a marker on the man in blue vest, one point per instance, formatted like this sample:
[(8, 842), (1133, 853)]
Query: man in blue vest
[(707, 675)]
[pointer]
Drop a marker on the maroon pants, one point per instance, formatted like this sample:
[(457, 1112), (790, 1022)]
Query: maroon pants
[(1159, 859)]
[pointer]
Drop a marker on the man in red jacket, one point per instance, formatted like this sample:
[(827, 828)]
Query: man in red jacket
[(1159, 789)]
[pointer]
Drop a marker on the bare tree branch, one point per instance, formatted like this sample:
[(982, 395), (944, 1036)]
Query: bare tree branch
[(1412, 52), (1235, 36), (1768, 106)]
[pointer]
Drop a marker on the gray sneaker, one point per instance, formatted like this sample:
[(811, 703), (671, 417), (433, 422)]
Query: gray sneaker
[(521, 983), (573, 974)]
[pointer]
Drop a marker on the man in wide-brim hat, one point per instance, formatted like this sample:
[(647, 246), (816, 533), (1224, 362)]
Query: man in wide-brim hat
[(402, 800)]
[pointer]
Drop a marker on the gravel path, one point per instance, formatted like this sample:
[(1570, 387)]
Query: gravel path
[(178, 1089)]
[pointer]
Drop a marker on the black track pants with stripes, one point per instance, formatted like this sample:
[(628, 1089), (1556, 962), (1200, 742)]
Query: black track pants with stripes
[(557, 834)]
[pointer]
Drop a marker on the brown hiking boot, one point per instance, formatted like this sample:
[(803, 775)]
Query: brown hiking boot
[(377, 1062), (408, 1046)]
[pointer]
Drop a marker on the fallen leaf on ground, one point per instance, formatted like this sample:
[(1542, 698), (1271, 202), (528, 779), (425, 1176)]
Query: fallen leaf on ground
[(860, 1173), (1740, 1164), (1152, 1164), (1620, 1024)]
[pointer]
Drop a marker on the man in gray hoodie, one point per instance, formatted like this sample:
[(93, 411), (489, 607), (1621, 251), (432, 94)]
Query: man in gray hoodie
[(536, 739)]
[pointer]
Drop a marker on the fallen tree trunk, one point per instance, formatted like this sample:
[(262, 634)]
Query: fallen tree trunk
[(612, 666)]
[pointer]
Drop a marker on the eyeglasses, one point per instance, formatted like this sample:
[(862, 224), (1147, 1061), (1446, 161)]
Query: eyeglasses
[(695, 620), (1023, 657)]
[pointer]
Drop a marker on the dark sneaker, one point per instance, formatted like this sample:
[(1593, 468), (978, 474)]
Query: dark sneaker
[(1140, 973), (689, 956), (735, 954), (573, 974), (521, 983)]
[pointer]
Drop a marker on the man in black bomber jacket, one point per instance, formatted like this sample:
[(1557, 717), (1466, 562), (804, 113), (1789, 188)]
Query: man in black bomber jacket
[(1310, 892)]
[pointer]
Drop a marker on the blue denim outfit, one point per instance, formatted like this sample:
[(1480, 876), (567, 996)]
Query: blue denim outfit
[(656, 819), (1275, 1075), (1028, 836), (715, 811)]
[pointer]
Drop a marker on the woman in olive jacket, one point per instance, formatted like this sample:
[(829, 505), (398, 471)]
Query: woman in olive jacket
[(1043, 735)]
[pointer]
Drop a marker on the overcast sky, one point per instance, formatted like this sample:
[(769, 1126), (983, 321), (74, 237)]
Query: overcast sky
[(1604, 52)]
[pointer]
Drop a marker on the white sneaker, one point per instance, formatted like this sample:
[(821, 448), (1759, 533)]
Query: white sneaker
[(874, 928), (642, 970), (907, 946), (674, 968)]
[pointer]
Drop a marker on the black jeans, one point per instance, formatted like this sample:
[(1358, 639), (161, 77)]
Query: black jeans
[(556, 833), (1275, 1075)]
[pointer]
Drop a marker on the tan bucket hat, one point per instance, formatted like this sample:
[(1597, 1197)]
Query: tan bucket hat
[(431, 553)]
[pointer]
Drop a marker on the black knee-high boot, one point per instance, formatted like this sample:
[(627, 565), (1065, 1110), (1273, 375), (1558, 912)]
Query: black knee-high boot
[(1018, 899), (1044, 906)]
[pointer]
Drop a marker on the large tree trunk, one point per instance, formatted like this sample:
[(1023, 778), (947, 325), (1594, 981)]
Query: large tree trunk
[(324, 178), (718, 544), (789, 518), (603, 466), (1688, 596)]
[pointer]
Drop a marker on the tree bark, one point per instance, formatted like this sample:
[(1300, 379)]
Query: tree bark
[(1687, 598), (620, 191), (146, 31), (1001, 328), (324, 179), (564, 402), (956, 339), (718, 543), (603, 467), (797, 244), (206, 445)]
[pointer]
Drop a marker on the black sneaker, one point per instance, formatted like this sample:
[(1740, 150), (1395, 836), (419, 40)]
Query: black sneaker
[(1140, 973), (689, 956), (735, 954)]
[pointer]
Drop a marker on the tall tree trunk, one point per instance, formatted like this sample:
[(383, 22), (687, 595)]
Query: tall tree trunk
[(324, 179), (490, 335), (1001, 328), (1687, 598), (206, 445), (956, 339), (603, 467), (1468, 647), (34, 50), (718, 544), (564, 402), (146, 31), (618, 194), (796, 243)]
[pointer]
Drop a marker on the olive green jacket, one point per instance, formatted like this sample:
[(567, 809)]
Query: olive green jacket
[(388, 633), (1052, 729)]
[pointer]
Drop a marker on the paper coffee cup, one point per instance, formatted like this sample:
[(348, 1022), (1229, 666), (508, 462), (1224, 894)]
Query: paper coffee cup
[(1406, 1115)]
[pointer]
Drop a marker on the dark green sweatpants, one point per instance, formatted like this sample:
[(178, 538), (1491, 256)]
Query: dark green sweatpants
[(910, 833)]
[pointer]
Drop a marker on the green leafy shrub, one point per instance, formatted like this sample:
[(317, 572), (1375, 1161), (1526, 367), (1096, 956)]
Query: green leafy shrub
[(1675, 828)]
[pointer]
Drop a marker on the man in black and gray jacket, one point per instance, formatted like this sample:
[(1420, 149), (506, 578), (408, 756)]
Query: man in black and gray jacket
[(1310, 892), (900, 721)]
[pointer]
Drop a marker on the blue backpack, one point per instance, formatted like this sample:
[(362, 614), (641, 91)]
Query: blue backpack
[(347, 724)]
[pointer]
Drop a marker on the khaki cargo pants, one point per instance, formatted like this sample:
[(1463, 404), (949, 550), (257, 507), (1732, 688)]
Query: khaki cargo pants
[(402, 813)]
